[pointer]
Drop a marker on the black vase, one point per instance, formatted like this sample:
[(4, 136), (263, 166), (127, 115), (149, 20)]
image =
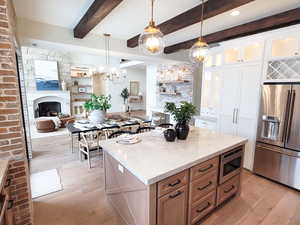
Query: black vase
[(170, 135), (182, 130)]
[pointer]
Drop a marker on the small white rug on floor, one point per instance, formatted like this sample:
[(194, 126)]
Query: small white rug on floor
[(43, 183)]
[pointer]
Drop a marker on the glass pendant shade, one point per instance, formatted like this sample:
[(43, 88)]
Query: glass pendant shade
[(151, 41), (198, 52)]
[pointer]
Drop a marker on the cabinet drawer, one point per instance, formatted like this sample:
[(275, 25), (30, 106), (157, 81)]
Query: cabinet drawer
[(172, 208), (204, 168), (172, 183), (202, 207), (200, 187), (228, 189)]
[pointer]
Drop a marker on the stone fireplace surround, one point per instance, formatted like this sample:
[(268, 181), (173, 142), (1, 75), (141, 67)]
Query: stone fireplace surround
[(33, 99)]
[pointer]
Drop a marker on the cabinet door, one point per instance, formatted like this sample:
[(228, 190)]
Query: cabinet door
[(229, 99), (172, 208), (248, 110), (252, 51), (232, 55), (210, 93), (285, 46)]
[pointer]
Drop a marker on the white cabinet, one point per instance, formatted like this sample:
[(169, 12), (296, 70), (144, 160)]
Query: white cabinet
[(287, 45), (210, 93), (239, 105), (214, 58), (247, 51), (201, 123)]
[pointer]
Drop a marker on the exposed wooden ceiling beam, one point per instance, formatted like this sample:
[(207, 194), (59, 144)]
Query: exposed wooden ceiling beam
[(192, 16), (97, 12), (284, 19)]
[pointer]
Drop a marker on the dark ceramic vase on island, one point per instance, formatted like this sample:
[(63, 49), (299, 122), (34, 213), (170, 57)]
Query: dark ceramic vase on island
[(170, 135), (182, 130)]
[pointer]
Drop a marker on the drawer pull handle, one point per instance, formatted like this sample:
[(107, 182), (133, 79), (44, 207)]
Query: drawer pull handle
[(10, 204), (207, 168), (204, 208), (8, 182), (174, 184), (175, 195), (204, 187), (230, 189)]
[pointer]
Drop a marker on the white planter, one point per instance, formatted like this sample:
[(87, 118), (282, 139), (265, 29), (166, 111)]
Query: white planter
[(97, 116), (125, 107)]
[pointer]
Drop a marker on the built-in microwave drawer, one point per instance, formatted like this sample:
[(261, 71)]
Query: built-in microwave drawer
[(204, 168), (228, 189), (202, 186), (172, 183)]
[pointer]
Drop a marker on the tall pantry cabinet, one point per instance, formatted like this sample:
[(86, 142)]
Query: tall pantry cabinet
[(240, 93)]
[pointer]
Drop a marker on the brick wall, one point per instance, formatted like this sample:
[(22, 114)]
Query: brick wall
[(12, 144)]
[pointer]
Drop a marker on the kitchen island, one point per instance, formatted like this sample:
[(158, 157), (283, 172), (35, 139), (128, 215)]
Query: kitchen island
[(155, 182)]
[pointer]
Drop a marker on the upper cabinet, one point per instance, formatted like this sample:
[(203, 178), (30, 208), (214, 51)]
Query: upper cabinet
[(247, 51), (284, 46), (214, 58)]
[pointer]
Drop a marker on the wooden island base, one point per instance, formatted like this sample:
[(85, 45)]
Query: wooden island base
[(181, 199)]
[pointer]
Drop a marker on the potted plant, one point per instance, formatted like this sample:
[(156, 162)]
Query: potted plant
[(182, 114), (125, 95), (97, 106)]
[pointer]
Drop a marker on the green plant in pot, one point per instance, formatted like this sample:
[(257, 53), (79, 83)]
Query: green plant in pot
[(182, 114), (125, 96), (97, 106)]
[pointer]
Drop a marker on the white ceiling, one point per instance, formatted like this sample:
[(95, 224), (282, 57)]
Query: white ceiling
[(131, 16)]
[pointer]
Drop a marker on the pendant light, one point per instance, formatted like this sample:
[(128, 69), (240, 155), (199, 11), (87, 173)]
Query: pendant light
[(151, 41), (200, 49), (111, 73)]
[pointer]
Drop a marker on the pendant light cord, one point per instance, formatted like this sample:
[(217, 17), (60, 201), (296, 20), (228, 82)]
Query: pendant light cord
[(202, 12), (152, 6)]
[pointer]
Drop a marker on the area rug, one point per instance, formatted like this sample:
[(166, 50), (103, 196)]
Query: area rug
[(44, 183)]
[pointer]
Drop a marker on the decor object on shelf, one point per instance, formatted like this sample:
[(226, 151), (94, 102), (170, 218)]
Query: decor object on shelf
[(110, 73), (46, 75), (64, 85), (170, 135), (97, 105), (134, 88), (175, 73), (125, 95), (82, 90), (151, 39), (182, 114), (200, 49)]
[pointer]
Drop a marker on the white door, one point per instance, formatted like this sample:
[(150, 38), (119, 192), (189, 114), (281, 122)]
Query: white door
[(248, 109), (229, 99)]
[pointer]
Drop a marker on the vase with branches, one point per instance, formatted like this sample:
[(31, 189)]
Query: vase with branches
[(125, 96)]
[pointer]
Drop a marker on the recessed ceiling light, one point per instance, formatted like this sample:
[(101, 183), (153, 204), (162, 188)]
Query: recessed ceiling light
[(235, 13)]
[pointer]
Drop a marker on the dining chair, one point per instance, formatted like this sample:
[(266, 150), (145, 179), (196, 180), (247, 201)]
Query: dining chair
[(89, 141), (109, 130), (119, 133), (165, 125), (130, 127), (144, 129)]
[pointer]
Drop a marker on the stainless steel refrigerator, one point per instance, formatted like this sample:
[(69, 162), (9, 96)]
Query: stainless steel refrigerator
[(277, 154)]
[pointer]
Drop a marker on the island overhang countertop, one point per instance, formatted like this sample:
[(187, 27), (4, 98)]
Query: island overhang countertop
[(154, 159)]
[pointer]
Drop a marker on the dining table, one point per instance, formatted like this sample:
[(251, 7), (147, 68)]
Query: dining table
[(82, 126)]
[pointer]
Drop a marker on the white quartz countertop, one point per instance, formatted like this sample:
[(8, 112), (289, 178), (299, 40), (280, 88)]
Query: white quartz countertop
[(154, 159)]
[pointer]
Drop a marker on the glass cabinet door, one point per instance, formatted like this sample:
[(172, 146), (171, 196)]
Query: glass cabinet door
[(285, 47), (252, 51), (232, 55)]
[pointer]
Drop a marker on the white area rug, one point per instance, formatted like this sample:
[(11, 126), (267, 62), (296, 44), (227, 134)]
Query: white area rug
[(44, 183)]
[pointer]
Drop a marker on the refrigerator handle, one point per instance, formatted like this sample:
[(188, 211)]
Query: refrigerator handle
[(286, 117), (236, 115), (293, 96), (233, 116)]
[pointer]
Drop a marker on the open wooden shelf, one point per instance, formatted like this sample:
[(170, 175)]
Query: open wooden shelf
[(169, 93), (174, 82)]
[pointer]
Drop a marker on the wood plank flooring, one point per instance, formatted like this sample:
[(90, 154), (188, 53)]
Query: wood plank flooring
[(83, 200)]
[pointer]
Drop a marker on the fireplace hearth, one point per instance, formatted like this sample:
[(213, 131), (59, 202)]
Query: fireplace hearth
[(48, 109)]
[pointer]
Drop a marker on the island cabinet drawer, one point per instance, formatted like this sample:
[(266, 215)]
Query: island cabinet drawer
[(228, 189), (172, 208), (202, 186), (172, 183), (204, 168), (202, 207)]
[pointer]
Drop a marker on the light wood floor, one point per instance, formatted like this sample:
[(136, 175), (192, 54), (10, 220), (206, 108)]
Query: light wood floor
[(83, 200)]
